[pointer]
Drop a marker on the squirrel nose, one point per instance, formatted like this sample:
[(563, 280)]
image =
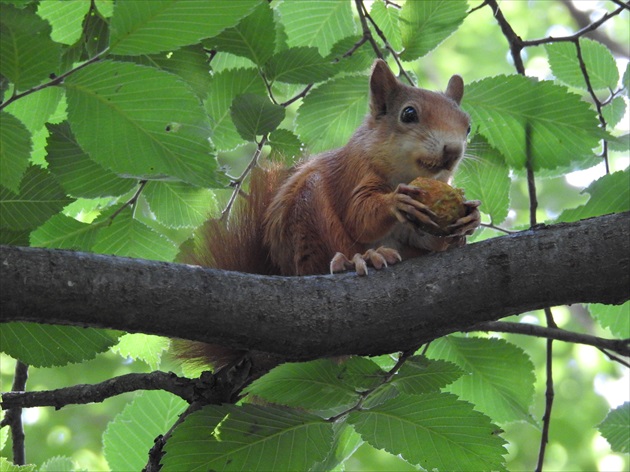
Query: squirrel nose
[(451, 153)]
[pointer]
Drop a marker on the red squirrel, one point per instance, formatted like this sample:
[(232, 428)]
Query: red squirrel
[(351, 207)]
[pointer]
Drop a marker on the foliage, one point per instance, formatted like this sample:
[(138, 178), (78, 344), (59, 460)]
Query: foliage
[(122, 125)]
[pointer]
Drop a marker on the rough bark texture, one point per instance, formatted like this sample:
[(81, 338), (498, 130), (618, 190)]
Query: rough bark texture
[(310, 317)]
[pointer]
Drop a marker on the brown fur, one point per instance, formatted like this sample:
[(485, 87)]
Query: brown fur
[(347, 200)]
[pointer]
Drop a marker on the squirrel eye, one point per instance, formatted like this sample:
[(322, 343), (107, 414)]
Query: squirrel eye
[(409, 115), (468, 131)]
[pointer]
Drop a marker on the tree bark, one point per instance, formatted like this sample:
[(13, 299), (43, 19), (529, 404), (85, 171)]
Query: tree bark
[(309, 317)]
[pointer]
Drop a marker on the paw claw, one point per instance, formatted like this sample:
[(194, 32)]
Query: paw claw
[(377, 258)]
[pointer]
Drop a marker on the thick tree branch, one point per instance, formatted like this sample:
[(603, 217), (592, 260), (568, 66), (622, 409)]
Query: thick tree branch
[(311, 317)]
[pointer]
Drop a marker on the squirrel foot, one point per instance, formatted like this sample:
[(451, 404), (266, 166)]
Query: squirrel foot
[(377, 258)]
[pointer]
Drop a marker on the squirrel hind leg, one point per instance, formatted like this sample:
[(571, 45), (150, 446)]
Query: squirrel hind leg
[(378, 258)]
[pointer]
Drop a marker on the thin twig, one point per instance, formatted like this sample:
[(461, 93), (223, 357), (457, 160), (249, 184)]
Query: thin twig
[(132, 201), (362, 11), (549, 393), (13, 417)]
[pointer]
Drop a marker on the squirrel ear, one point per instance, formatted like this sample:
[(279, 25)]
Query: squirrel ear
[(455, 88), (382, 83)]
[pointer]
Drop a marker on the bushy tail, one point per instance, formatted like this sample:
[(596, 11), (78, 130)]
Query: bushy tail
[(237, 245)]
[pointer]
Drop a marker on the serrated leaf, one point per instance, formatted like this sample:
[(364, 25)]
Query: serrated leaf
[(42, 345), (254, 115), (8, 466), (66, 18), (599, 61), (421, 375), (285, 146), (564, 129), (625, 81), (225, 86), (128, 237), (435, 19), (145, 347), (249, 438), (614, 317), (63, 232), (303, 65), (609, 194), (331, 112), (133, 431), (59, 464), (76, 172), (253, 37), (614, 111), (360, 60), (386, 17), (15, 150), (501, 380), (319, 23), (615, 428), (315, 386), (345, 442), (35, 109), (485, 177), (39, 198), (140, 27), (434, 430), (27, 54), (142, 122), (178, 205)]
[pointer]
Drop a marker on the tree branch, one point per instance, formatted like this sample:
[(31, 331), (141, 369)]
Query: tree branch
[(311, 317)]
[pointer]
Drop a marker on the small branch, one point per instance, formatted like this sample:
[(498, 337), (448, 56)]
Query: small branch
[(56, 81), (549, 394), (96, 393), (132, 201), (497, 228), (13, 417), (302, 94), (514, 40), (620, 346), (362, 11)]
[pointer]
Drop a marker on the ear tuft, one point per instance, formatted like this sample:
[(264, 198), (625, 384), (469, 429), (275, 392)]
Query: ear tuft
[(382, 83), (455, 88)]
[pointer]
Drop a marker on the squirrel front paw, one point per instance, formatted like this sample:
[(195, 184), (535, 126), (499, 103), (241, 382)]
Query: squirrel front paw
[(408, 208), (467, 224), (377, 258)]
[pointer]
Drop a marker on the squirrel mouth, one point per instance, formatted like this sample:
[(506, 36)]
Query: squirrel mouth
[(430, 166)]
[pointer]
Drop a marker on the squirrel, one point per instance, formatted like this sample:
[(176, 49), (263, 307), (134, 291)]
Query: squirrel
[(352, 207)]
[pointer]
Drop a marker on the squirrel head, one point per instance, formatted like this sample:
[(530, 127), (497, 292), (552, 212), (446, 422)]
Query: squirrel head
[(419, 133)]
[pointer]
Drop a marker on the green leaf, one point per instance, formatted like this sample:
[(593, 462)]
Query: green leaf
[(609, 194), (141, 122), (140, 27), (39, 198), (225, 86), (8, 466), (42, 345), (331, 112), (345, 442), (424, 25), (564, 129), (63, 232), (177, 205), (485, 177), (614, 317), (254, 37), (315, 386), (35, 109), (360, 60), (387, 19), (15, 150), (254, 115), (249, 438), (614, 111), (132, 432), (421, 375), (599, 61), (60, 464), (615, 428), (128, 237), (76, 172), (27, 54), (434, 430), (501, 380), (625, 81), (303, 65), (285, 146), (145, 347), (66, 18), (319, 23)]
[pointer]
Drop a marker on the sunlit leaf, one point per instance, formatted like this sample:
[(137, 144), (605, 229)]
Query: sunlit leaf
[(386, 17), (145, 347), (421, 375), (42, 345), (64, 232), (302, 65), (133, 431), (66, 18), (178, 205), (35, 109), (249, 438), (615, 428), (501, 380), (614, 317), (434, 430), (254, 115), (164, 25)]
